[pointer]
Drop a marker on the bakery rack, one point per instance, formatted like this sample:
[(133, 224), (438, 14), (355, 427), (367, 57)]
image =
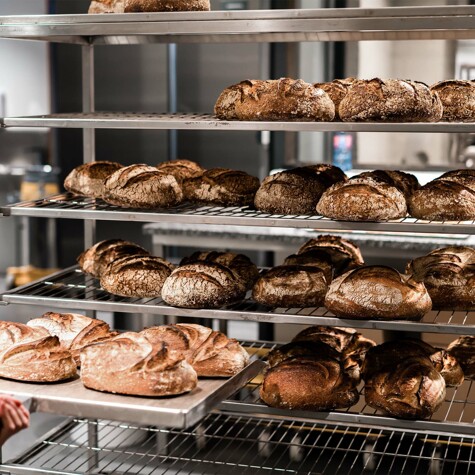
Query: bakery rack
[(263, 440)]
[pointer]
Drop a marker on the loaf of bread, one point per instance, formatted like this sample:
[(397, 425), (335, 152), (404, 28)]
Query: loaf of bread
[(141, 186), (130, 364), (449, 276), (410, 389), (239, 263), (296, 191), (211, 353), (371, 196), (222, 186), (74, 331), (283, 99), (93, 261), (136, 276), (451, 197), (458, 99), (88, 179), (377, 292), (337, 90), (463, 349), (344, 254), (390, 100), (181, 169), (33, 355), (393, 352), (317, 383), (203, 285), (138, 6)]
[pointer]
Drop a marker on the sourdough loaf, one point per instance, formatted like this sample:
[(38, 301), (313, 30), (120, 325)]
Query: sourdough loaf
[(458, 99), (281, 99), (377, 292), (88, 179), (180, 169), (337, 90), (391, 100), (130, 364), (137, 6), (463, 349)]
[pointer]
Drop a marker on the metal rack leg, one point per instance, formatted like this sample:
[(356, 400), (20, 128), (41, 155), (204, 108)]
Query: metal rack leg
[(162, 442), (93, 444)]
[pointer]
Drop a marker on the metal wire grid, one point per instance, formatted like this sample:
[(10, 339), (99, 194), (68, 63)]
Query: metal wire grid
[(74, 290), (230, 443)]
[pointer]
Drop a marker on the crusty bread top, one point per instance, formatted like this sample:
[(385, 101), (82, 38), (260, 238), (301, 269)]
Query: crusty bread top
[(181, 169), (337, 90), (138, 6), (458, 99), (465, 176), (138, 263)]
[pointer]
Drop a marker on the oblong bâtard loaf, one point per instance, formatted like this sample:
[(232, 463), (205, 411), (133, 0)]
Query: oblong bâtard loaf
[(390, 100), (377, 292), (458, 99), (130, 364), (33, 355), (463, 349), (141, 186), (181, 169), (371, 196), (281, 99), (88, 179), (211, 353), (136, 276), (298, 190), (138, 6), (337, 90), (94, 260)]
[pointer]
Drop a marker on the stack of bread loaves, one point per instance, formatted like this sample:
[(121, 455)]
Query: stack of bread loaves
[(138, 6)]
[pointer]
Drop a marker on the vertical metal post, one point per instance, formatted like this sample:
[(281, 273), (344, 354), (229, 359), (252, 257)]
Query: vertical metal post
[(93, 444), (172, 98), (89, 145)]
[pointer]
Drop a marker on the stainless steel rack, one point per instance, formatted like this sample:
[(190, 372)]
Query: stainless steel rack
[(205, 121), (71, 289), (70, 206), (237, 444)]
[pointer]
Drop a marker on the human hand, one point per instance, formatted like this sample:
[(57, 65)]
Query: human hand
[(14, 417)]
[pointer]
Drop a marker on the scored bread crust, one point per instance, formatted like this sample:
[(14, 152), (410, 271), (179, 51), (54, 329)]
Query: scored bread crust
[(136, 276), (377, 292), (458, 99), (281, 99), (88, 179), (337, 90), (94, 260), (222, 186), (130, 364), (141, 186), (181, 169), (33, 355), (138, 6), (211, 353), (391, 100), (463, 349)]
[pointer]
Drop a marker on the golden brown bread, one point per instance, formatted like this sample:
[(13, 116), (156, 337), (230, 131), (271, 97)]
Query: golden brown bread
[(411, 389), (316, 383), (371, 196), (181, 169), (377, 292), (449, 276), (281, 99), (458, 99), (141, 186), (296, 191), (391, 100), (337, 90), (130, 364), (94, 260), (73, 331), (222, 186), (239, 263), (136, 276), (211, 353), (32, 354), (88, 179), (203, 285), (138, 6), (463, 349)]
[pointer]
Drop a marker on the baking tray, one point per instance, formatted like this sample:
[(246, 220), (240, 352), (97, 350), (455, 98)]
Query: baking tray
[(71, 398)]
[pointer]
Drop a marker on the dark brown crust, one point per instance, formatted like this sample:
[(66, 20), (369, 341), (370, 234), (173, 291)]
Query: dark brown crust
[(463, 349), (138, 6), (377, 292), (296, 191), (282, 99), (181, 169), (337, 90), (88, 179), (458, 99), (222, 186), (391, 100)]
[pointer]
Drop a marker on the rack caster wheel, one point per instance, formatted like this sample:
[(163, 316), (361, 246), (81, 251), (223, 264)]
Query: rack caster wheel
[(296, 453), (200, 438), (369, 459), (263, 445)]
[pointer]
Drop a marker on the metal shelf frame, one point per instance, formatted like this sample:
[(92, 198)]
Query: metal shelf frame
[(71, 289)]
